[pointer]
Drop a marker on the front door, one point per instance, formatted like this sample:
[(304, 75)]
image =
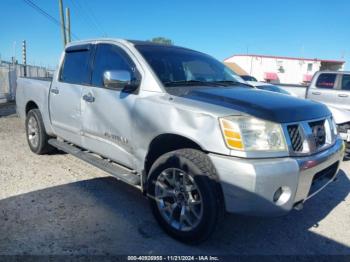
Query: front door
[(65, 93), (344, 92), (325, 89), (107, 112)]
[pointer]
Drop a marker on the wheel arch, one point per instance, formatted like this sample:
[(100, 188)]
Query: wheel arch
[(31, 105), (165, 143)]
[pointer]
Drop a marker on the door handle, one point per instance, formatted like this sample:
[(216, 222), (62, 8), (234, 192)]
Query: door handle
[(55, 91), (316, 93), (89, 98), (342, 95)]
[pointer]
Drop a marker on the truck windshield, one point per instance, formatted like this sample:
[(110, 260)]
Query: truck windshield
[(177, 66)]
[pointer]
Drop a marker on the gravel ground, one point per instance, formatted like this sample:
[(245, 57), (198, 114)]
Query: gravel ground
[(57, 204)]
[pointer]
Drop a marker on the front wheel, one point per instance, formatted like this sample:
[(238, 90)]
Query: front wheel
[(184, 195)]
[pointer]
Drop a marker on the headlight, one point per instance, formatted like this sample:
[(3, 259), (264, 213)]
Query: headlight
[(251, 134)]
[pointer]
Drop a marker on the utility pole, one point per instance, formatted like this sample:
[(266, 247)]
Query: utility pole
[(60, 4), (24, 57), (68, 36)]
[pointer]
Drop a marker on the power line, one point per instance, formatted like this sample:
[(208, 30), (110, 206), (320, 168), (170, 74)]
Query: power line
[(75, 11), (95, 18), (47, 15), (78, 10), (89, 16)]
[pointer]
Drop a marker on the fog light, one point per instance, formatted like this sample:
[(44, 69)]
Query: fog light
[(277, 194), (282, 195)]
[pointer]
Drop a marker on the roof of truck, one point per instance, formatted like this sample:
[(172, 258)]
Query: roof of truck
[(93, 40), (119, 40), (333, 72)]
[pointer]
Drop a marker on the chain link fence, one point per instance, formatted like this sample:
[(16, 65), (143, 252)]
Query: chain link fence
[(9, 72)]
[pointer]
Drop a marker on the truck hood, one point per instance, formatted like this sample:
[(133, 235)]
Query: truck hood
[(261, 104)]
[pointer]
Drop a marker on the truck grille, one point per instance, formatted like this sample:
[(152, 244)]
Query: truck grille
[(310, 136), (318, 132), (295, 137)]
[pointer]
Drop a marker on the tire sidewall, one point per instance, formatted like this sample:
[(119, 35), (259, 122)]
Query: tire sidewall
[(205, 184), (35, 113)]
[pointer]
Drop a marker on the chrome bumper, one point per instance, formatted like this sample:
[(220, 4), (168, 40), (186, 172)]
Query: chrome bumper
[(250, 185)]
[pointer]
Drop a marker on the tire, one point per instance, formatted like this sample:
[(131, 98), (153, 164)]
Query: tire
[(197, 176), (36, 135)]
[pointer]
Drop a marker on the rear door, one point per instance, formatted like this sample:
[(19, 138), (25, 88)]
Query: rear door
[(107, 112), (65, 93), (324, 90)]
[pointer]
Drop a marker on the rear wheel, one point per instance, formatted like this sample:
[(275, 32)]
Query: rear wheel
[(36, 135), (184, 195)]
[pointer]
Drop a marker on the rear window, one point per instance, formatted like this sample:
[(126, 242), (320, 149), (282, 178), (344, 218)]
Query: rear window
[(326, 81), (75, 68)]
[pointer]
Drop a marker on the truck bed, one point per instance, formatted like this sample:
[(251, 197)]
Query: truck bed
[(33, 90)]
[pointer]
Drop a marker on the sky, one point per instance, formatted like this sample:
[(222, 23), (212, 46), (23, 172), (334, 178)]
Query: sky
[(221, 28)]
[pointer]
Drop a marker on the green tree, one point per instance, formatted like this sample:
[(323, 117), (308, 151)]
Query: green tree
[(162, 40)]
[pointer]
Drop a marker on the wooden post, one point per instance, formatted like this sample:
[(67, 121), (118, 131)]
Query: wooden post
[(60, 4), (68, 36)]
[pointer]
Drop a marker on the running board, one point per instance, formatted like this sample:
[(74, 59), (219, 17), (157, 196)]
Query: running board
[(115, 170)]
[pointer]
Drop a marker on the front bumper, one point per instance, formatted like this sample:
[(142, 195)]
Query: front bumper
[(249, 185)]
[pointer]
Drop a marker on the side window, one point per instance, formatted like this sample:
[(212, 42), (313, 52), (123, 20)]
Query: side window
[(109, 57), (345, 83), (326, 81), (75, 68)]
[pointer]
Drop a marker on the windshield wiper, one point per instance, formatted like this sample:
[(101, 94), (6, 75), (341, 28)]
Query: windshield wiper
[(206, 83), (231, 83), (187, 83)]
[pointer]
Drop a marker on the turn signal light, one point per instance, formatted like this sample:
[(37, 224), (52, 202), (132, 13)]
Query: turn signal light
[(231, 134)]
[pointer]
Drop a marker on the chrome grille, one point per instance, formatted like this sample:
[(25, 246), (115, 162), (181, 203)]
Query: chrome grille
[(295, 137), (307, 137), (318, 132)]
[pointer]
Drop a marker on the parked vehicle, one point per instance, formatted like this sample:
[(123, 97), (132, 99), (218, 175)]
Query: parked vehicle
[(298, 90), (181, 127), (271, 88), (333, 89), (248, 78)]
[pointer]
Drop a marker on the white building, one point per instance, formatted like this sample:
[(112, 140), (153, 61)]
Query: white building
[(278, 69)]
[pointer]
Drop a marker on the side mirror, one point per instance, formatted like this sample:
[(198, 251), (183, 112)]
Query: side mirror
[(119, 79)]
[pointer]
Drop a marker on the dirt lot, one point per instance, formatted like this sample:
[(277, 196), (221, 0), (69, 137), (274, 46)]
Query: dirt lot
[(56, 204)]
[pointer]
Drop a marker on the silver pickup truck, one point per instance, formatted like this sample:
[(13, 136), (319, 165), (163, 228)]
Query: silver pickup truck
[(184, 129), (333, 89)]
